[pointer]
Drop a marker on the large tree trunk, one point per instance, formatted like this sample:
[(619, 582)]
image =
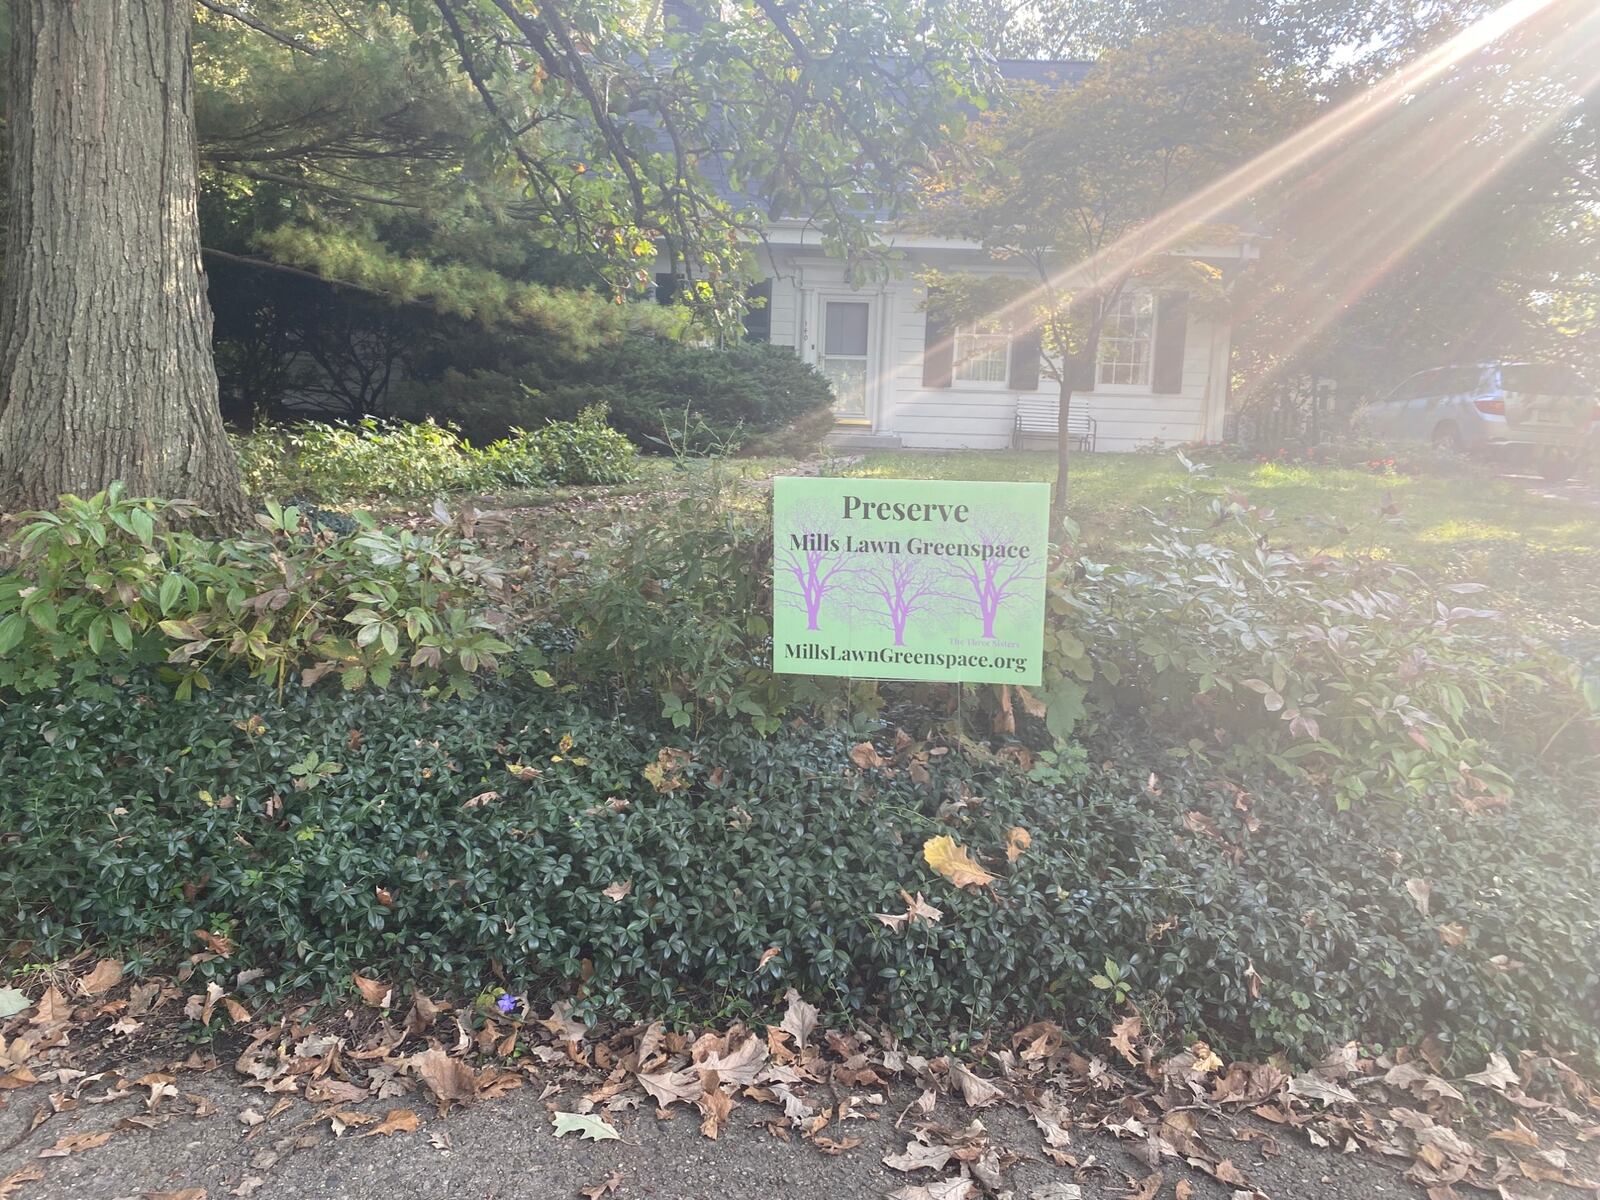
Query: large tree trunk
[(105, 335)]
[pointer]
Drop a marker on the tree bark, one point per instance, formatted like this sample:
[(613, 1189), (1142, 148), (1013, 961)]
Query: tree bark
[(105, 334), (1058, 506)]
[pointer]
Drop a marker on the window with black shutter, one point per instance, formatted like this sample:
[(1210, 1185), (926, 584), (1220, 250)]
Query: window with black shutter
[(758, 317), (1025, 350)]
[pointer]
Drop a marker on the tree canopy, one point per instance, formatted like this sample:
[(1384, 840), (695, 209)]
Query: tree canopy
[(1081, 185)]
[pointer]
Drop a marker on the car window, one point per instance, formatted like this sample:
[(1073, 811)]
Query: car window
[(1541, 377), (1405, 391), (1455, 381), (1429, 383)]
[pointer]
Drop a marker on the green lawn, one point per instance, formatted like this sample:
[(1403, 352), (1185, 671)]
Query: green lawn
[(1540, 555)]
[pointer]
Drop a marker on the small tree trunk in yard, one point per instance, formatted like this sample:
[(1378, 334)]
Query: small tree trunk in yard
[(105, 335), (1058, 507)]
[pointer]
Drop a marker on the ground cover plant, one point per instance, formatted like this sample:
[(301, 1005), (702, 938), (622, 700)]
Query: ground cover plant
[(635, 811), (518, 838)]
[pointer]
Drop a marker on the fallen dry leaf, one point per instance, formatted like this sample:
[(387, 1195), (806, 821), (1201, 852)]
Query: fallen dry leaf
[(667, 1088), (399, 1120), (865, 755), (586, 1125), (1497, 1075), (53, 1007), (799, 1019), (618, 892), (917, 909), (561, 1023), (75, 1143), (944, 1189), (106, 975), (1517, 1135), (222, 947), (978, 1093), (180, 1194), (1123, 1035), (951, 860), (449, 1079), (373, 992), (604, 1188), (714, 1105), (1421, 892), (1453, 934), (767, 955), (1018, 839), (1311, 1087), (9, 1186), (918, 1156)]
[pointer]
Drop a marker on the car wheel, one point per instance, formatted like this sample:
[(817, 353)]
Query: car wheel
[(1447, 437)]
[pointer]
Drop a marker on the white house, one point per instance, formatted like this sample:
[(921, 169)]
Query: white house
[(902, 379)]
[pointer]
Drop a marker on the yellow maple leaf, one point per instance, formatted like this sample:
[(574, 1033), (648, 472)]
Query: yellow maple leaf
[(954, 863)]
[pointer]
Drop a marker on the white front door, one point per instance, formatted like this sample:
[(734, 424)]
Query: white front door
[(845, 357)]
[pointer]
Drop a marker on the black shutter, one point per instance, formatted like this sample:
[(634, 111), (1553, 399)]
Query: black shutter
[(1081, 371), (1172, 327), (938, 347), (1024, 372), (666, 287), (758, 318)]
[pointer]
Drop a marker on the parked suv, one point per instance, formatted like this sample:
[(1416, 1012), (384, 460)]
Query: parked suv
[(1532, 408)]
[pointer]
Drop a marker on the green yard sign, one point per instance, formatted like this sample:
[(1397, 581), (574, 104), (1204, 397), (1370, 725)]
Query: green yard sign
[(909, 578)]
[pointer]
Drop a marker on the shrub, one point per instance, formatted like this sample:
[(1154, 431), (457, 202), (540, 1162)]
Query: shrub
[(584, 451), (371, 459), (102, 590), (400, 460), (675, 613), (655, 390), (477, 838)]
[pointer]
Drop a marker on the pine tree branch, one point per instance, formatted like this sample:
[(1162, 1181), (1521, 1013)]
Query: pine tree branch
[(326, 189), (256, 23)]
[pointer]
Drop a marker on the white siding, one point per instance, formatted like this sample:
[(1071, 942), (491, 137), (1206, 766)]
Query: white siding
[(785, 312), (971, 416), (965, 416)]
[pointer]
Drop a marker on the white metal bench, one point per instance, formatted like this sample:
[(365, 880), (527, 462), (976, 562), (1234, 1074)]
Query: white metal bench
[(1038, 415)]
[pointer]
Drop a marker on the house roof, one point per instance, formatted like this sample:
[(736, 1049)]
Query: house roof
[(1043, 70)]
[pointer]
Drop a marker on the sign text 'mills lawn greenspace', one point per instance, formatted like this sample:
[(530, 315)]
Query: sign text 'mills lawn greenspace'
[(909, 579)]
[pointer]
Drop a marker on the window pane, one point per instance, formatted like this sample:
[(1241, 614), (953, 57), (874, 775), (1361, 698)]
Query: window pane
[(1551, 380), (845, 328), (849, 379), (1124, 354), (982, 353)]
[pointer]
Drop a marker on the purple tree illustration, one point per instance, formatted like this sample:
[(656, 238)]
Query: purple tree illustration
[(985, 584), (893, 588), (811, 565)]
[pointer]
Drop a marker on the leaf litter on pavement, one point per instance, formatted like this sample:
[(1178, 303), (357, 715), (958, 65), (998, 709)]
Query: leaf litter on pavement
[(1512, 1125)]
